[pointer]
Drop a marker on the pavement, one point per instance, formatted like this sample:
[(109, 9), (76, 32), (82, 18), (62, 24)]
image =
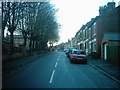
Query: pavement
[(110, 70), (8, 67)]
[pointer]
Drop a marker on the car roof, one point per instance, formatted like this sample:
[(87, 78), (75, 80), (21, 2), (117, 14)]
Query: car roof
[(71, 48), (78, 50)]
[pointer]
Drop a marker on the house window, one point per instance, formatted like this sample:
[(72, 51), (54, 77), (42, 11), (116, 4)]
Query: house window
[(80, 46), (94, 29), (90, 46), (89, 32), (94, 47), (85, 45), (84, 34)]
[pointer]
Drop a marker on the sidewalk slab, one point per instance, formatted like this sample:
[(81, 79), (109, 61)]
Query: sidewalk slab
[(14, 65), (110, 69)]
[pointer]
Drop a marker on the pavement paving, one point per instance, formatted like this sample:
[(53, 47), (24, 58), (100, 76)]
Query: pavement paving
[(110, 70), (8, 67)]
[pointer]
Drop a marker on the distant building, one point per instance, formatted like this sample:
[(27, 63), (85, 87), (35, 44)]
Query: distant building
[(80, 42), (18, 40)]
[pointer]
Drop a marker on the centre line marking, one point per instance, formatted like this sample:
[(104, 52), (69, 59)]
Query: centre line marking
[(56, 64), (51, 79), (57, 59)]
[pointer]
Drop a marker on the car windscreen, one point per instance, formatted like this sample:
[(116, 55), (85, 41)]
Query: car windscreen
[(82, 52), (79, 52)]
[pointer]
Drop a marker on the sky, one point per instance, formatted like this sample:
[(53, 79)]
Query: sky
[(72, 14)]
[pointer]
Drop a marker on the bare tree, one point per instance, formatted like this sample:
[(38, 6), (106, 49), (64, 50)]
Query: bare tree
[(36, 21)]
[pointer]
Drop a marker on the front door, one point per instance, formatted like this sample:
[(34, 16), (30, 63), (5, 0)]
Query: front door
[(105, 51)]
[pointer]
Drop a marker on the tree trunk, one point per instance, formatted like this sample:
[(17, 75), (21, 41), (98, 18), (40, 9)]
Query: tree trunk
[(33, 45), (36, 45), (11, 45), (30, 46), (24, 46)]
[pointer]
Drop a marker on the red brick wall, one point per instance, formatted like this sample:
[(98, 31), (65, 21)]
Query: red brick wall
[(99, 35)]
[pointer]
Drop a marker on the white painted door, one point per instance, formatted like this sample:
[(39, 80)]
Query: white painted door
[(105, 51)]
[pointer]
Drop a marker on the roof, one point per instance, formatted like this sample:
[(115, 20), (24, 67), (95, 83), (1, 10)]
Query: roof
[(112, 36), (88, 24), (93, 20), (83, 27)]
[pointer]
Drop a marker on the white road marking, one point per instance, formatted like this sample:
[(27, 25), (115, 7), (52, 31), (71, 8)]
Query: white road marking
[(56, 64), (58, 58), (51, 79)]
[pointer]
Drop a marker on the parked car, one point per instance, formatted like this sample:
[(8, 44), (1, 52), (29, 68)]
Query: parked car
[(69, 51), (78, 56), (93, 55), (66, 50)]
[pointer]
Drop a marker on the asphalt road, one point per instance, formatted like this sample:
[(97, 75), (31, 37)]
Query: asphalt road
[(54, 70)]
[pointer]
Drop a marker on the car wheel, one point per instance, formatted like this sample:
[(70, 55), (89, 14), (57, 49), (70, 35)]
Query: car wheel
[(71, 60), (85, 62)]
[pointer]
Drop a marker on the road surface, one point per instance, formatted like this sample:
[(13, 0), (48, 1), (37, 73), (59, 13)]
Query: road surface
[(54, 70)]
